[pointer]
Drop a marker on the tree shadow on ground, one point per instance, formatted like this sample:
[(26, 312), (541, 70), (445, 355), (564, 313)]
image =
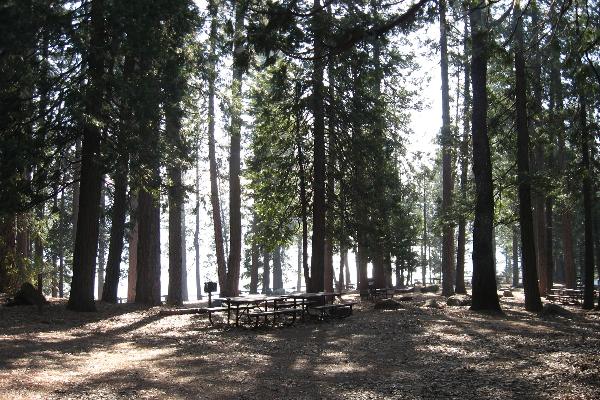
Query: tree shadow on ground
[(411, 353)]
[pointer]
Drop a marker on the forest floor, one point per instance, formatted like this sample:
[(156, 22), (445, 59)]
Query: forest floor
[(416, 352)]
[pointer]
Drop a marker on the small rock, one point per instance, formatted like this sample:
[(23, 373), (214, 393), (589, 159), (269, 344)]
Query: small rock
[(433, 303), (404, 298), (507, 293), (459, 301), (387, 304), (430, 289)]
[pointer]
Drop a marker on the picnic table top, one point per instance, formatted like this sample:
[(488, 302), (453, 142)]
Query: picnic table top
[(312, 295), (250, 299)]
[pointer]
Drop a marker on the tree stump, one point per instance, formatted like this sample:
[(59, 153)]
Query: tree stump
[(28, 296)]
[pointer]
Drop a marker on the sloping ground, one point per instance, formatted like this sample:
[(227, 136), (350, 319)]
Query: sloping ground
[(414, 352)]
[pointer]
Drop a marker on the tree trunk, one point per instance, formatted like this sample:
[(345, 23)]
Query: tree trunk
[(387, 269), (39, 252), (214, 188), (361, 268), (7, 249), (588, 267), (538, 195), (86, 239), (277, 272), (318, 237), (564, 211), (76, 187), (197, 230), (119, 211), (117, 230), (266, 288), (485, 296), (102, 242), (341, 281), (347, 269), (22, 247), (532, 294), (515, 256), (175, 296), (464, 167), (235, 213), (184, 276), (255, 255), (424, 241), (61, 245), (300, 258), (147, 288), (328, 274), (173, 121), (378, 268), (54, 279), (447, 179), (303, 194), (549, 242), (133, 251)]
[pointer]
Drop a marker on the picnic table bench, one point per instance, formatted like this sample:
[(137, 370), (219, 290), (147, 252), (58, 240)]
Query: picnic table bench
[(565, 296), (255, 309), (255, 316), (381, 293)]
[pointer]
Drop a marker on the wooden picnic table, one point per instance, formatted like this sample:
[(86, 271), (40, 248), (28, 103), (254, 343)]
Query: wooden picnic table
[(565, 296), (243, 305)]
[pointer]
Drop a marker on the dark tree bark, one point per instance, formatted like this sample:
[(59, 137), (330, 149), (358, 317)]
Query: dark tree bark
[(347, 268), (38, 256), (117, 230), (133, 251), (538, 194), (197, 230), (447, 179), (530, 283), (266, 288), (175, 293), (588, 260), (174, 86), (318, 237), (7, 248), (303, 194), (102, 241), (184, 274), (61, 245), (387, 269), (255, 254), (212, 157), (378, 268), (341, 281), (277, 271), (464, 167), (328, 273), (299, 273), (86, 240), (76, 187), (515, 256), (361, 268), (54, 258), (235, 192), (485, 296), (424, 241), (147, 288), (564, 212)]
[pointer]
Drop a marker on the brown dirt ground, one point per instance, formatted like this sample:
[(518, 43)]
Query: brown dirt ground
[(416, 352)]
